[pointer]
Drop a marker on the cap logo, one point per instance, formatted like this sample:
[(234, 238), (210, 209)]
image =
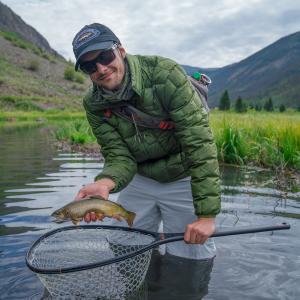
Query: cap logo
[(85, 36)]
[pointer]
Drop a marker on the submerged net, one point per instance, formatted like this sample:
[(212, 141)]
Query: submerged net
[(82, 248)]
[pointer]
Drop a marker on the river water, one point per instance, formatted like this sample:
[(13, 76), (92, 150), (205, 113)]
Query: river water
[(35, 179)]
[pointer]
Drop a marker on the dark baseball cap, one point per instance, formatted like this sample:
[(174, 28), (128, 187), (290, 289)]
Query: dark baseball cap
[(92, 37)]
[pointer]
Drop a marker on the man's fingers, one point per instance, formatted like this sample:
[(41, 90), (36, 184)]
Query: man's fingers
[(187, 234), (87, 218), (194, 236), (93, 216), (200, 239), (100, 217)]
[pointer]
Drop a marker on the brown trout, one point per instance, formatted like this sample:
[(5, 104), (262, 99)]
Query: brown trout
[(76, 210)]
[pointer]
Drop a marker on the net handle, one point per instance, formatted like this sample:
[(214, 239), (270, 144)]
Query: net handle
[(169, 238), (173, 237)]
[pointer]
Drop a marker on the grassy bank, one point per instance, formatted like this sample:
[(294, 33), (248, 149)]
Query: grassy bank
[(260, 139), (256, 138), (14, 117)]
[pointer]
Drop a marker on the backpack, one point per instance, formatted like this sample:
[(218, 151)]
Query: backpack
[(128, 112)]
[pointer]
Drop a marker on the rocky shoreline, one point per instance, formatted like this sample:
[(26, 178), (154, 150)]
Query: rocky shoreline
[(92, 150)]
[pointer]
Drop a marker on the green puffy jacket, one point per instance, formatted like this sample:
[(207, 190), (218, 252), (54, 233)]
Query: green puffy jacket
[(162, 90)]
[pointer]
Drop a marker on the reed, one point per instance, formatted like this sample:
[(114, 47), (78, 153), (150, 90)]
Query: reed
[(256, 138), (76, 132), (263, 139)]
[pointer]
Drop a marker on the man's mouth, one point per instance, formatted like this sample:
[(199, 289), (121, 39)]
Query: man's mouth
[(105, 76)]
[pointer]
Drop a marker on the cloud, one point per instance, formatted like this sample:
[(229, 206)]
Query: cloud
[(194, 32)]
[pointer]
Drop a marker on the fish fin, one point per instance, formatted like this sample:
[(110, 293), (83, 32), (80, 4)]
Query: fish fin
[(75, 221), (117, 217), (130, 218), (100, 216)]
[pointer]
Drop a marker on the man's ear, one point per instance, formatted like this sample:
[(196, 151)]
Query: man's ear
[(122, 51)]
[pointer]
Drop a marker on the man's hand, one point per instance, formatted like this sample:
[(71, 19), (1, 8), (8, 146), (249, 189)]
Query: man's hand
[(199, 231), (101, 188)]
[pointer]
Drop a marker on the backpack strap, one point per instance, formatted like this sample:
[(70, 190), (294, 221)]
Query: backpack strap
[(132, 114), (201, 87)]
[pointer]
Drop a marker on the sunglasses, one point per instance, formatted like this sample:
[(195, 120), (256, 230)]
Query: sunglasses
[(104, 58)]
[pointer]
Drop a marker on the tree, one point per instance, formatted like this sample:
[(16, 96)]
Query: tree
[(268, 106), (240, 106), (224, 101), (282, 108), (258, 107)]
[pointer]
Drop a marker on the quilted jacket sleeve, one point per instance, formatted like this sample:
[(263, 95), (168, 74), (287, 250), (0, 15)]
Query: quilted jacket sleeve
[(196, 139), (120, 165)]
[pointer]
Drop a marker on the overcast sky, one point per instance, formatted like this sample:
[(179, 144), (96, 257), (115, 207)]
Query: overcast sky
[(194, 32)]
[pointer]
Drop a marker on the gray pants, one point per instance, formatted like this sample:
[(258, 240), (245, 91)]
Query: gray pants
[(169, 203), (171, 277)]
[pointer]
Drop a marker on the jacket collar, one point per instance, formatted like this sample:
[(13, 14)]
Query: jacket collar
[(135, 72)]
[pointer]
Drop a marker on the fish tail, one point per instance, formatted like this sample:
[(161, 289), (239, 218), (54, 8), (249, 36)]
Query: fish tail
[(130, 218)]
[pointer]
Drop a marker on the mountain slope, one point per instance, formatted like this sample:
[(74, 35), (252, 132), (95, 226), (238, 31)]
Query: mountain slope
[(34, 79), (32, 74), (271, 72), (11, 22)]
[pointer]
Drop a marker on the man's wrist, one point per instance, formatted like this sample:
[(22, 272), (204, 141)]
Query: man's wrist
[(109, 183), (206, 217)]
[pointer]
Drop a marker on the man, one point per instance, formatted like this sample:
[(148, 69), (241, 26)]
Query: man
[(168, 173)]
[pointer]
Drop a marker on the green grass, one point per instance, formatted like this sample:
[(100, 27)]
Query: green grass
[(33, 116), (76, 132), (255, 138), (39, 103), (259, 138), (17, 41)]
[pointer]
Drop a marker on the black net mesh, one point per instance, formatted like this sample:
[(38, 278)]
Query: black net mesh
[(83, 246)]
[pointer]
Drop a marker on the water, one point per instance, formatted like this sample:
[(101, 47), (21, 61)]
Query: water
[(35, 179)]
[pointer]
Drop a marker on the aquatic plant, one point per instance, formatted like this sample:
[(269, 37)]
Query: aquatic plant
[(75, 132), (263, 139)]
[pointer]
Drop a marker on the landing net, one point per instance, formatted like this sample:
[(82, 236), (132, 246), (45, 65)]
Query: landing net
[(66, 262)]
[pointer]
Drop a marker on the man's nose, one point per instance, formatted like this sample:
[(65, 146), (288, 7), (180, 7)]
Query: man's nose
[(101, 68)]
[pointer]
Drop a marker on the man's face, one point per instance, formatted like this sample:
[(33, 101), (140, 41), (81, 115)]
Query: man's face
[(110, 76)]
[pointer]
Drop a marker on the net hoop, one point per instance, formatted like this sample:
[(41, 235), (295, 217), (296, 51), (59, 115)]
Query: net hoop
[(90, 265)]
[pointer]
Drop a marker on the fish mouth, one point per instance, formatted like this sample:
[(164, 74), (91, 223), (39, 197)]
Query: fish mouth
[(58, 220)]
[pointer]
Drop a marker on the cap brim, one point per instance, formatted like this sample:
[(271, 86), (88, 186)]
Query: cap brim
[(99, 46)]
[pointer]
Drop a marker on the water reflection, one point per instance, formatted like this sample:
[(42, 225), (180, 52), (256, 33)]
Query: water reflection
[(170, 277), (35, 180)]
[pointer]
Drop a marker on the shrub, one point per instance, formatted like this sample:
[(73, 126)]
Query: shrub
[(37, 51), (79, 78), (46, 56), (282, 108), (69, 73), (33, 65), (27, 106), (8, 99)]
